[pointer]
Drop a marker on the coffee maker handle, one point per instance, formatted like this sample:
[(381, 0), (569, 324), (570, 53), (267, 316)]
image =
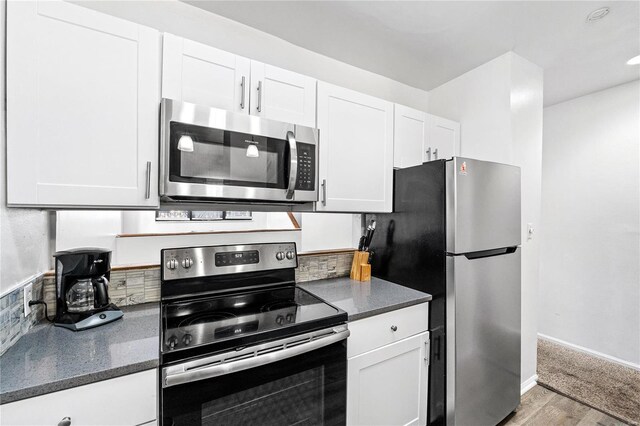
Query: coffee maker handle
[(101, 291)]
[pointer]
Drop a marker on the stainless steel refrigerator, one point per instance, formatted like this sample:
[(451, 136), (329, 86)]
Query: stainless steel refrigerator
[(455, 233)]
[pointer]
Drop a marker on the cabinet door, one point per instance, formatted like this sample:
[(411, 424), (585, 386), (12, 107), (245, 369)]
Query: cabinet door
[(356, 151), (83, 99), (410, 135), (203, 75), (126, 400), (443, 138), (388, 386), (282, 95)]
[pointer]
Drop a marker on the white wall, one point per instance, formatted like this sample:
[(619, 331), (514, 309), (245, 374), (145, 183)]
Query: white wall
[(499, 107), (94, 228), (322, 231), (526, 132), (196, 24), (24, 233), (87, 228), (480, 101), (590, 264)]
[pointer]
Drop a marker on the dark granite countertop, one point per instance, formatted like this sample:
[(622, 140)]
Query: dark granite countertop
[(49, 359), (365, 299)]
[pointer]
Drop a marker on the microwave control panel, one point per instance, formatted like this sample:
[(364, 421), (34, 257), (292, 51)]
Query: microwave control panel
[(306, 167)]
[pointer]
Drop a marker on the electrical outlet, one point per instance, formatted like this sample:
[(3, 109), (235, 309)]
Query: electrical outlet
[(530, 231), (28, 297)]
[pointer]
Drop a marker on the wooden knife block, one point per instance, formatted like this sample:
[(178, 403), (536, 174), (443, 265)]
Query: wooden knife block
[(360, 268)]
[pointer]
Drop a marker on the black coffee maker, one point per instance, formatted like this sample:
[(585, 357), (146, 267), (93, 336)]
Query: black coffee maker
[(82, 296)]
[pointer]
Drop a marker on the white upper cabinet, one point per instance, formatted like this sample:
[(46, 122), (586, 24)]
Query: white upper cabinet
[(200, 74), (282, 95), (443, 139), (83, 97), (410, 136), (356, 151)]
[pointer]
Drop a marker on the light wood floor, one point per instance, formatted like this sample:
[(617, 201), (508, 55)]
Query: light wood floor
[(543, 407)]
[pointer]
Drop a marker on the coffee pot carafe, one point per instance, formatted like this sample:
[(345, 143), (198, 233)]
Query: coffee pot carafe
[(82, 282), (87, 294)]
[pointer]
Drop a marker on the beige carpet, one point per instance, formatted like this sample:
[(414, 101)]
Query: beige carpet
[(603, 385)]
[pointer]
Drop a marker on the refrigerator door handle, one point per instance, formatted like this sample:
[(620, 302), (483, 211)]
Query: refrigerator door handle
[(489, 253)]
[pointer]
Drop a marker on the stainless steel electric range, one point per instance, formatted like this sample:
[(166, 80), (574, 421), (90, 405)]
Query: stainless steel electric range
[(241, 344)]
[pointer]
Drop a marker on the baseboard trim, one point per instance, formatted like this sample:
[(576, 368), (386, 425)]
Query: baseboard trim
[(528, 384), (590, 352)]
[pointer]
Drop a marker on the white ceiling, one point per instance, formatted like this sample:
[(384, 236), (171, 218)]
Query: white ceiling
[(426, 43)]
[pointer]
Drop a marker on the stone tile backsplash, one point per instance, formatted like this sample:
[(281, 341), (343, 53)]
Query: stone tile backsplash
[(127, 287), (13, 323), (321, 266), (134, 286)]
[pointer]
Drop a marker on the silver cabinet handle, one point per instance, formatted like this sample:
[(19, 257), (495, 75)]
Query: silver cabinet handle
[(394, 328), (435, 154), (65, 422), (242, 93), (252, 357), (429, 154), (293, 167), (147, 192), (324, 192), (259, 106)]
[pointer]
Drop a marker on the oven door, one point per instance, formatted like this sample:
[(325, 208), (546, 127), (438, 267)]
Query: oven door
[(210, 153), (300, 380)]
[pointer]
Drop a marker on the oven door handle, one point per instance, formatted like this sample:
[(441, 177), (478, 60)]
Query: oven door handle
[(216, 365), (293, 166)]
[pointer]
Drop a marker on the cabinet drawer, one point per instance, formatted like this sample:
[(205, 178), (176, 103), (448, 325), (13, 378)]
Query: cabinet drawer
[(126, 400), (377, 331)]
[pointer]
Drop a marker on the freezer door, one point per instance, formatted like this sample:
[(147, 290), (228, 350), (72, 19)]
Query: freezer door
[(483, 205), (483, 338)]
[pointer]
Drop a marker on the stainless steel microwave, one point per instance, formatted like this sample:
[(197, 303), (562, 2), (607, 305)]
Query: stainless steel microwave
[(213, 155)]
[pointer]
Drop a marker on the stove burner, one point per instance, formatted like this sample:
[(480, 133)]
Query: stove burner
[(206, 317), (278, 304), (190, 308)]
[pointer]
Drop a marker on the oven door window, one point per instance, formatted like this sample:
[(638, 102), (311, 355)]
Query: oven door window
[(222, 157), (309, 389)]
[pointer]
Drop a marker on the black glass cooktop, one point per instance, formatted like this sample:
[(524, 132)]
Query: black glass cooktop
[(204, 321)]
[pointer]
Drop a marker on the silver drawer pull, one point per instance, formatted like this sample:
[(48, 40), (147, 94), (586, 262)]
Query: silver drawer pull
[(242, 93), (147, 190), (394, 328)]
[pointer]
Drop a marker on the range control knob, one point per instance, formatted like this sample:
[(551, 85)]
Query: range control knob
[(186, 339), (187, 262), (279, 320), (289, 318), (280, 255), (290, 255), (172, 342), (172, 264)]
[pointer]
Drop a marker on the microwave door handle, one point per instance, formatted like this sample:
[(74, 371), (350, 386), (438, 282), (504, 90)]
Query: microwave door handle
[(293, 167)]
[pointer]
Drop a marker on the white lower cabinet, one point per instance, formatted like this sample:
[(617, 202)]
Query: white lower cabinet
[(387, 385), (126, 400)]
